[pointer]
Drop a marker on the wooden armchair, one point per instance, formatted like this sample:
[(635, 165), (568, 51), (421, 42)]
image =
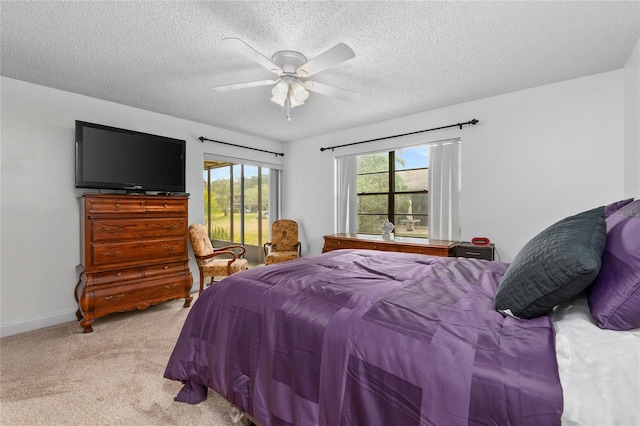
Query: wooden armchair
[(284, 244), (214, 262)]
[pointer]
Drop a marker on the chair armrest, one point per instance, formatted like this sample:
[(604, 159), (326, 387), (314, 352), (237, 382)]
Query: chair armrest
[(233, 254), (238, 247), (219, 252)]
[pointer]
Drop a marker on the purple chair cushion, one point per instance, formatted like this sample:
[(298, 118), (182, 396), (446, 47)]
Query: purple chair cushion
[(614, 297)]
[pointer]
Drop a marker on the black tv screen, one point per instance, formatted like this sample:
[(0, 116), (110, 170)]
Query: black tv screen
[(113, 158)]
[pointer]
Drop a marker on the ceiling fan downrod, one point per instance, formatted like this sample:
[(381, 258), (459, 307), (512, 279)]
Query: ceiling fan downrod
[(287, 105)]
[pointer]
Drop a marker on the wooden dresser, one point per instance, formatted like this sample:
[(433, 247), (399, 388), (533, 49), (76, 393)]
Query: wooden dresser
[(135, 254), (401, 244)]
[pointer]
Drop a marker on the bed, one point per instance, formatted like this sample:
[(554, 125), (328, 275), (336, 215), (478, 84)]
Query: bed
[(354, 337)]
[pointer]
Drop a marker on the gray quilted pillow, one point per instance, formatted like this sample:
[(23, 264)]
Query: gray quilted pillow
[(554, 266)]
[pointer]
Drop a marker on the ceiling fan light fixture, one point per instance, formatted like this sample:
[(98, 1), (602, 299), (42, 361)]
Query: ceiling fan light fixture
[(278, 101), (280, 90), (294, 103), (298, 92)]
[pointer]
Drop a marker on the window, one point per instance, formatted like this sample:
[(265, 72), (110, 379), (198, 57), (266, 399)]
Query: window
[(236, 206), (393, 186), (417, 188)]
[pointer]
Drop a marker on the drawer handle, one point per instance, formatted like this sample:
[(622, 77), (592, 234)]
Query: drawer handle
[(339, 243), (165, 205), (166, 267), (473, 253), (117, 204), (169, 248), (114, 298), (119, 273), (172, 227), (111, 229), (115, 253), (171, 286)]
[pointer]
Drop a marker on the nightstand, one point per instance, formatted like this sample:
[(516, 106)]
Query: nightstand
[(466, 249)]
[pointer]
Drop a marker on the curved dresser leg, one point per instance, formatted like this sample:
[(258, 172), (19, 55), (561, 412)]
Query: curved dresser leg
[(86, 326), (77, 297), (187, 302)]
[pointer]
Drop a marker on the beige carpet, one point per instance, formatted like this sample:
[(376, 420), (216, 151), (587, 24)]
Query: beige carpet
[(113, 376)]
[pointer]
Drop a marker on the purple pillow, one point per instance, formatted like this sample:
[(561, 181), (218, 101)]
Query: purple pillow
[(614, 207), (614, 297)]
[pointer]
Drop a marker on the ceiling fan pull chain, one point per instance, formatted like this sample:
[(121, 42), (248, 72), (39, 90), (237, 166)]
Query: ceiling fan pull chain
[(287, 104)]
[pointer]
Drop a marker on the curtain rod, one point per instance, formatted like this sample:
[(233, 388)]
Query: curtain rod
[(202, 139), (473, 122)]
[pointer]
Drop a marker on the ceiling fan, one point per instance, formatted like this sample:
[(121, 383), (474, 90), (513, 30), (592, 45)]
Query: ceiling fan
[(292, 88)]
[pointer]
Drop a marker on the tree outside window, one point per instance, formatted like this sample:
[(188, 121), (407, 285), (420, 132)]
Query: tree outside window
[(236, 206), (394, 186)]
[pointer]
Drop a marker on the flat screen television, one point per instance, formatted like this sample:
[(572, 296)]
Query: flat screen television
[(120, 159)]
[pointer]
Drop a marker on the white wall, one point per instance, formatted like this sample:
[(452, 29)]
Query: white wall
[(632, 123), (40, 208), (535, 157)]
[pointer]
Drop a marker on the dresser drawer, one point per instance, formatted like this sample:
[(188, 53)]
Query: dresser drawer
[(355, 244), (430, 251), (130, 229), (138, 296), (107, 205), (166, 269), (100, 278), (138, 251), (166, 206)]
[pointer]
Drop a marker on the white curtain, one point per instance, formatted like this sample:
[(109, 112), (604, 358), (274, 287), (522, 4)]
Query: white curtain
[(274, 195), (444, 191), (346, 194)]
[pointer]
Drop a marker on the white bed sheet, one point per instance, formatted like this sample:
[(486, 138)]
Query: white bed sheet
[(599, 369)]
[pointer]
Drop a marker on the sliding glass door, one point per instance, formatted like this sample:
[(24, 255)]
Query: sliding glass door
[(236, 205)]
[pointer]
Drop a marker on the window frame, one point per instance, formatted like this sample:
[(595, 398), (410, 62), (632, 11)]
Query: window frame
[(237, 175), (391, 190)]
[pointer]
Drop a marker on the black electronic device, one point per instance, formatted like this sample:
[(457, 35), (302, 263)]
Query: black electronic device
[(113, 158)]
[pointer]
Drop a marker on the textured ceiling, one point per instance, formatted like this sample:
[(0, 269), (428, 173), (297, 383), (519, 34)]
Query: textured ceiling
[(410, 56)]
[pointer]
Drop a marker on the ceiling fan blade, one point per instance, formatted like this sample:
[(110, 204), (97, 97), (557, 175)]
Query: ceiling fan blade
[(324, 89), (330, 58), (251, 53), (237, 86)]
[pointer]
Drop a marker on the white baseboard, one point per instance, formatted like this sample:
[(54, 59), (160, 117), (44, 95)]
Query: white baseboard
[(16, 327), (30, 324)]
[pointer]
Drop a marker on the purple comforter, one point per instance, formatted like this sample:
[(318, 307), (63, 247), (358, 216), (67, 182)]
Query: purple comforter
[(357, 337)]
